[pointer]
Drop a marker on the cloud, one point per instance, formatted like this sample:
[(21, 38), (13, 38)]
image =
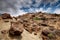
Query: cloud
[(45, 4), (57, 11), (19, 7)]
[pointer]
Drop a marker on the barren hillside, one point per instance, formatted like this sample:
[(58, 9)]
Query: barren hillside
[(30, 26)]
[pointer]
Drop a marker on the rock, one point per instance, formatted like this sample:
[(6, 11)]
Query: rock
[(16, 28), (57, 32), (28, 36), (6, 16), (45, 33), (29, 29), (14, 33), (44, 24), (4, 31)]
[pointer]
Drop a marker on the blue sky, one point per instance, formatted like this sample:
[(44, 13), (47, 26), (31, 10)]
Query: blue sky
[(43, 5), (19, 7)]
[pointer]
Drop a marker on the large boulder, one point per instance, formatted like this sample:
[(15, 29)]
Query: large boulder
[(16, 29)]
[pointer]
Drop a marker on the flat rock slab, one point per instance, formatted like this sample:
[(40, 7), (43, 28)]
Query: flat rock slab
[(28, 36)]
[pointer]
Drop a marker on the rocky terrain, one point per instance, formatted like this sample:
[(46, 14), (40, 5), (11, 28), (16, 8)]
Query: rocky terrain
[(30, 26)]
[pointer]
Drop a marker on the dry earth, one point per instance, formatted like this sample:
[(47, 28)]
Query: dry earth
[(37, 26)]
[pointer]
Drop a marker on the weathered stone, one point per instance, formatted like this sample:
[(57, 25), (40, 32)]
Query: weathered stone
[(45, 33), (6, 16), (29, 29), (16, 28), (14, 33), (4, 31)]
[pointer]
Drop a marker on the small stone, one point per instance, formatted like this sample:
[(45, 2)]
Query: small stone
[(4, 31)]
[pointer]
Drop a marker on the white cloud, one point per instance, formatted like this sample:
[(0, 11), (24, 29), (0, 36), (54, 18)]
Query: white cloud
[(57, 11), (41, 9), (13, 6)]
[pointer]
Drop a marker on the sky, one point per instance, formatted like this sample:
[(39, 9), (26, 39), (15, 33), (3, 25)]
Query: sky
[(19, 7)]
